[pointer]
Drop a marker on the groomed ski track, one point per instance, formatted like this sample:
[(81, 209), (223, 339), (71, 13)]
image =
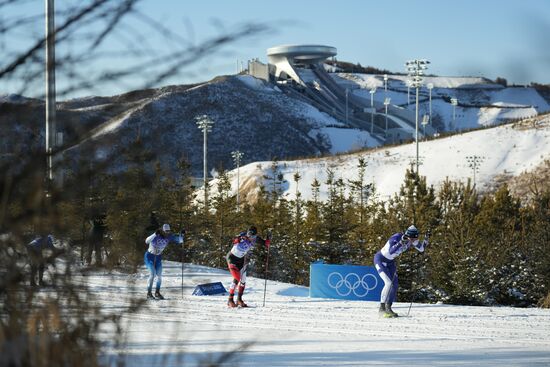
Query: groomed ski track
[(295, 330)]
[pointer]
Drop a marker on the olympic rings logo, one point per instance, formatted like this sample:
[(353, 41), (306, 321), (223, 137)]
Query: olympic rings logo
[(352, 282)]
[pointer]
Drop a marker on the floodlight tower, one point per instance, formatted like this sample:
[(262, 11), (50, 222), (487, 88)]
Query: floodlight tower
[(237, 156), (386, 103), (372, 91), (415, 69), (409, 84), (430, 86), (205, 124), (50, 93), (425, 121), (347, 91), (454, 102), (473, 162)]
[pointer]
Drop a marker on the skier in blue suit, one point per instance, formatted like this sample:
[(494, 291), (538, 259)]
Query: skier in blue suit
[(153, 259), (385, 265), (35, 250)]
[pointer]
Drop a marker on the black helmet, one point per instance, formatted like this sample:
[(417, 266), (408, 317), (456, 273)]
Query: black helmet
[(411, 232), (252, 231)]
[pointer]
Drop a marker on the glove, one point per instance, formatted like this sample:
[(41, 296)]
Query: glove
[(428, 233), (267, 243), (182, 233)]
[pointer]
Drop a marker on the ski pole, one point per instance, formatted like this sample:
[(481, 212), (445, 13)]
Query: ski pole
[(266, 265), (412, 300), (390, 298), (182, 234)]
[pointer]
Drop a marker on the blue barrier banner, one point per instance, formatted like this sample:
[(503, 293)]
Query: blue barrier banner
[(209, 289), (352, 282)]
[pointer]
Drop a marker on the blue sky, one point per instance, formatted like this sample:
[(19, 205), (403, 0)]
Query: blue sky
[(483, 37), (488, 38)]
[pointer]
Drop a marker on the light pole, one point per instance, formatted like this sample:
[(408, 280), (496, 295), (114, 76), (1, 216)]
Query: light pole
[(50, 92), (237, 155), (473, 162), (385, 83), (454, 102), (430, 86), (425, 120), (409, 84), (205, 124), (416, 69), (372, 91), (347, 91), (386, 103)]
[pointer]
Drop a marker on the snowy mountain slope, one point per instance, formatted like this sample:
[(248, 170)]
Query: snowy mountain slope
[(508, 149), (249, 115), (295, 330), (481, 102)]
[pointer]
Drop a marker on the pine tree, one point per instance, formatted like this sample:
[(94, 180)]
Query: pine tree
[(498, 228), (265, 215), (225, 224), (302, 257), (360, 213), (453, 254), (335, 250), (536, 242), (414, 205), (130, 201), (313, 222)]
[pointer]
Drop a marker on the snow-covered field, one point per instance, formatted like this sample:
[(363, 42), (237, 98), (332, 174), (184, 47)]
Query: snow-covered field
[(295, 330)]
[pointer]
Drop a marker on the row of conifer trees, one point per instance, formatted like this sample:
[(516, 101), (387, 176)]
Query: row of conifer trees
[(489, 248)]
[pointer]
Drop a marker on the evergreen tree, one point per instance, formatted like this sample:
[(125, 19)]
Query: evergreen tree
[(225, 224), (302, 257), (265, 215), (313, 222), (131, 200), (498, 238), (360, 213), (536, 242), (415, 204), (455, 264), (335, 250)]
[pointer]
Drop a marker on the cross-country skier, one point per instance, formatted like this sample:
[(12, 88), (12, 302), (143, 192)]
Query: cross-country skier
[(385, 265), (153, 259), (237, 261), (35, 250)]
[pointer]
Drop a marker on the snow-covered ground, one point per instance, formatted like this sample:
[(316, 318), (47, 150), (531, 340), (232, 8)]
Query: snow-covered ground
[(295, 330), (481, 102), (500, 150)]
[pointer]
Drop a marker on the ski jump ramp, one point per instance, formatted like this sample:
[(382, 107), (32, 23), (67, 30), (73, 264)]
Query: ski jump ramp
[(285, 57), (288, 60)]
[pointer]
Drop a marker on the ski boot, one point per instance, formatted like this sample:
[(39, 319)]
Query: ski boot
[(231, 303), (150, 295), (389, 312), (158, 295), (241, 303), (382, 309)]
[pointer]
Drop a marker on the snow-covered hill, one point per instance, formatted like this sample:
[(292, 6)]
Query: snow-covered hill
[(480, 102), (249, 115), (507, 150), (295, 330)]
